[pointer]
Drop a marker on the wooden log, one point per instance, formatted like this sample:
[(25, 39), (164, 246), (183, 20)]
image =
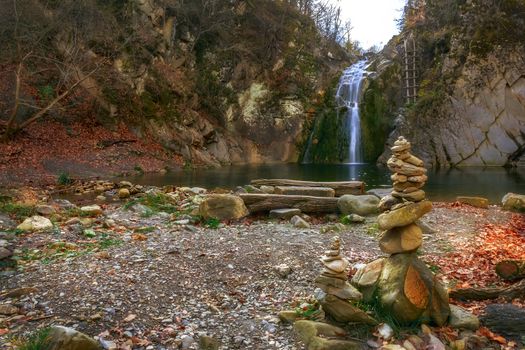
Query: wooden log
[(307, 204), (341, 188), (508, 293), (511, 270), (505, 319), (305, 191)]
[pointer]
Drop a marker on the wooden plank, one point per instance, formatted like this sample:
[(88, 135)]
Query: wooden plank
[(257, 203), (340, 187)]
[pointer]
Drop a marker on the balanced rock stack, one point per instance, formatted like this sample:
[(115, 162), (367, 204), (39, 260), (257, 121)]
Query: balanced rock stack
[(406, 287), (409, 173), (335, 294)]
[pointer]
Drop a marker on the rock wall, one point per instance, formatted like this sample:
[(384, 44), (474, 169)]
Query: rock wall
[(243, 89), (482, 120)]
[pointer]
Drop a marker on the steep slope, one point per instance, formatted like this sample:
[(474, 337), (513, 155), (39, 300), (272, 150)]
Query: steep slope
[(214, 81), (470, 109)]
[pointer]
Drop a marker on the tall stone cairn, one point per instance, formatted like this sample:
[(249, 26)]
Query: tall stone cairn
[(404, 285)]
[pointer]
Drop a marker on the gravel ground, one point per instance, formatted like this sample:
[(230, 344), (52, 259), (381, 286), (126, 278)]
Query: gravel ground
[(166, 285)]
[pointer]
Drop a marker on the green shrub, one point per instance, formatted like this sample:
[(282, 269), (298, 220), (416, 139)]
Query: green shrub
[(64, 179), (37, 340)]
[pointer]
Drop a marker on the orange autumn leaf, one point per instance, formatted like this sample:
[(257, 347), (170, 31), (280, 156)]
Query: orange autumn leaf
[(139, 237), (485, 332)]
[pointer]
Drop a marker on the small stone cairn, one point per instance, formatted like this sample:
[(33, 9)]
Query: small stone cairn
[(404, 285), (334, 293)]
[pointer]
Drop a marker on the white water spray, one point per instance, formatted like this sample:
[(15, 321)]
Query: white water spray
[(348, 96)]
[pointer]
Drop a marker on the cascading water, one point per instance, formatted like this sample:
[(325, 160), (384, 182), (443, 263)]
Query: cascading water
[(348, 96)]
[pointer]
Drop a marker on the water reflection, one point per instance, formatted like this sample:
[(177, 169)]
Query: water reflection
[(492, 182)]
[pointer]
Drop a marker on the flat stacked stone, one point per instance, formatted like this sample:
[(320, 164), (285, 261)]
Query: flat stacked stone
[(409, 173)]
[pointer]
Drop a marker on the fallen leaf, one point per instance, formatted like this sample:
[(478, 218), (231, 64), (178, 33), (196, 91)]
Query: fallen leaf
[(130, 318)]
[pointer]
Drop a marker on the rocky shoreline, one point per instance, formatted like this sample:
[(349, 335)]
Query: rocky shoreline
[(143, 269)]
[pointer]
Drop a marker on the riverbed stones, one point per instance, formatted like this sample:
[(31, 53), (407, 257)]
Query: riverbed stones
[(223, 207), (36, 223), (362, 205)]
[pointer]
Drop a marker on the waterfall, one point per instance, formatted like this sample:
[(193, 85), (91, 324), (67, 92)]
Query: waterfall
[(348, 96)]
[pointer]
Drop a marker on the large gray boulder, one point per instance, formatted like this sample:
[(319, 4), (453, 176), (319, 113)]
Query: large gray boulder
[(362, 205)]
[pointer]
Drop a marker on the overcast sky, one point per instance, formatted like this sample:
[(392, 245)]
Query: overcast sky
[(373, 21)]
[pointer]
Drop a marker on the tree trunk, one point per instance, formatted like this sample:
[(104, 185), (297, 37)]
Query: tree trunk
[(505, 319), (307, 204), (512, 292), (511, 270), (305, 191), (341, 188)]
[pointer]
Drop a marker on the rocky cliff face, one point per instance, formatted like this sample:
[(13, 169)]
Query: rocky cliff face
[(471, 103), (482, 120), (214, 81), (251, 77)]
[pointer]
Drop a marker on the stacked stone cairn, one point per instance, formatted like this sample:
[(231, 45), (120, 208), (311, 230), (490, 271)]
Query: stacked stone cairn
[(334, 293), (402, 284)]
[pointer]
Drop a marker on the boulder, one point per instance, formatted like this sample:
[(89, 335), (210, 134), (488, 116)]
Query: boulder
[(401, 239), (409, 292), (285, 214), (366, 278), (477, 202), (299, 222), (36, 223), (403, 216), (45, 210), (461, 318), (223, 207), (512, 201), (91, 210), (362, 205), (123, 193), (63, 338)]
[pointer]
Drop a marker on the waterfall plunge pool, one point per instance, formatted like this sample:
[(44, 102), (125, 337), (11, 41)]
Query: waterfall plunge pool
[(443, 185)]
